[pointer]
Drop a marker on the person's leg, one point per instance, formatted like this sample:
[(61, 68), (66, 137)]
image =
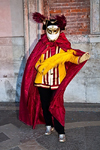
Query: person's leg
[(45, 96), (58, 127)]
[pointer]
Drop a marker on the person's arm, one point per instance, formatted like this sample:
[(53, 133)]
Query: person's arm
[(78, 59), (61, 58), (56, 59)]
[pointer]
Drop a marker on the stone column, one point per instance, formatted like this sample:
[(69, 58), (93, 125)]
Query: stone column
[(40, 10), (26, 31), (95, 16), (32, 29)]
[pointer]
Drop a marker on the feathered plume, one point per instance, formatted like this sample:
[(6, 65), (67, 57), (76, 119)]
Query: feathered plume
[(38, 17), (61, 21)]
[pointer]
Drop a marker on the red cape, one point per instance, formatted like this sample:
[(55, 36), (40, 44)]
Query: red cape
[(30, 111)]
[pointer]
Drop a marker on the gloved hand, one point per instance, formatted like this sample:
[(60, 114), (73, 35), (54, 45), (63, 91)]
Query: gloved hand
[(84, 57)]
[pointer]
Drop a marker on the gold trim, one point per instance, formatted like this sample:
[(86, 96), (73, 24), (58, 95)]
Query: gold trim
[(53, 21), (53, 30)]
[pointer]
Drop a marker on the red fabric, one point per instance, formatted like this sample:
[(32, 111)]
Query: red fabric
[(30, 111)]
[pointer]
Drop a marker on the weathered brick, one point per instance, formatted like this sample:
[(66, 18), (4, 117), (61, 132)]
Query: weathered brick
[(77, 13), (75, 10), (55, 11)]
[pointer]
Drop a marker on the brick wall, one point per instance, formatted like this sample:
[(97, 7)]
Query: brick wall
[(77, 13)]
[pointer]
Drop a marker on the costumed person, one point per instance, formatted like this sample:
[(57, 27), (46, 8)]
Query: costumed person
[(49, 69)]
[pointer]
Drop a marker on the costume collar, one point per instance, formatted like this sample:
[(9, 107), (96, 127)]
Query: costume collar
[(61, 40)]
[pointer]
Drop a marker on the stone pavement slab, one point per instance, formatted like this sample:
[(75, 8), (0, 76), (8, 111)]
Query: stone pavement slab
[(81, 124), (78, 116), (82, 128), (15, 148), (3, 137), (12, 133), (74, 141), (31, 145), (87, 138), (27, 133)]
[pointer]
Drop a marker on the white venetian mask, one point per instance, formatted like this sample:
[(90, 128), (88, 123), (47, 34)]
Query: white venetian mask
[(53, 32)]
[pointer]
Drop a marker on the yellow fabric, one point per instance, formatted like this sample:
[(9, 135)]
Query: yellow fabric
[(43, 66), (55, 60)]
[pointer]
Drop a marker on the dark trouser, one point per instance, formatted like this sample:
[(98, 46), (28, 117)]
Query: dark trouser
[(45, 96)]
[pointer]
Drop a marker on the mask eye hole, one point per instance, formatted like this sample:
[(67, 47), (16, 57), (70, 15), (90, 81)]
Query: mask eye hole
[(49, 31), (55, 31)]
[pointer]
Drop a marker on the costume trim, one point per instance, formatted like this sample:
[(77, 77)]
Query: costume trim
[(46, 86)]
